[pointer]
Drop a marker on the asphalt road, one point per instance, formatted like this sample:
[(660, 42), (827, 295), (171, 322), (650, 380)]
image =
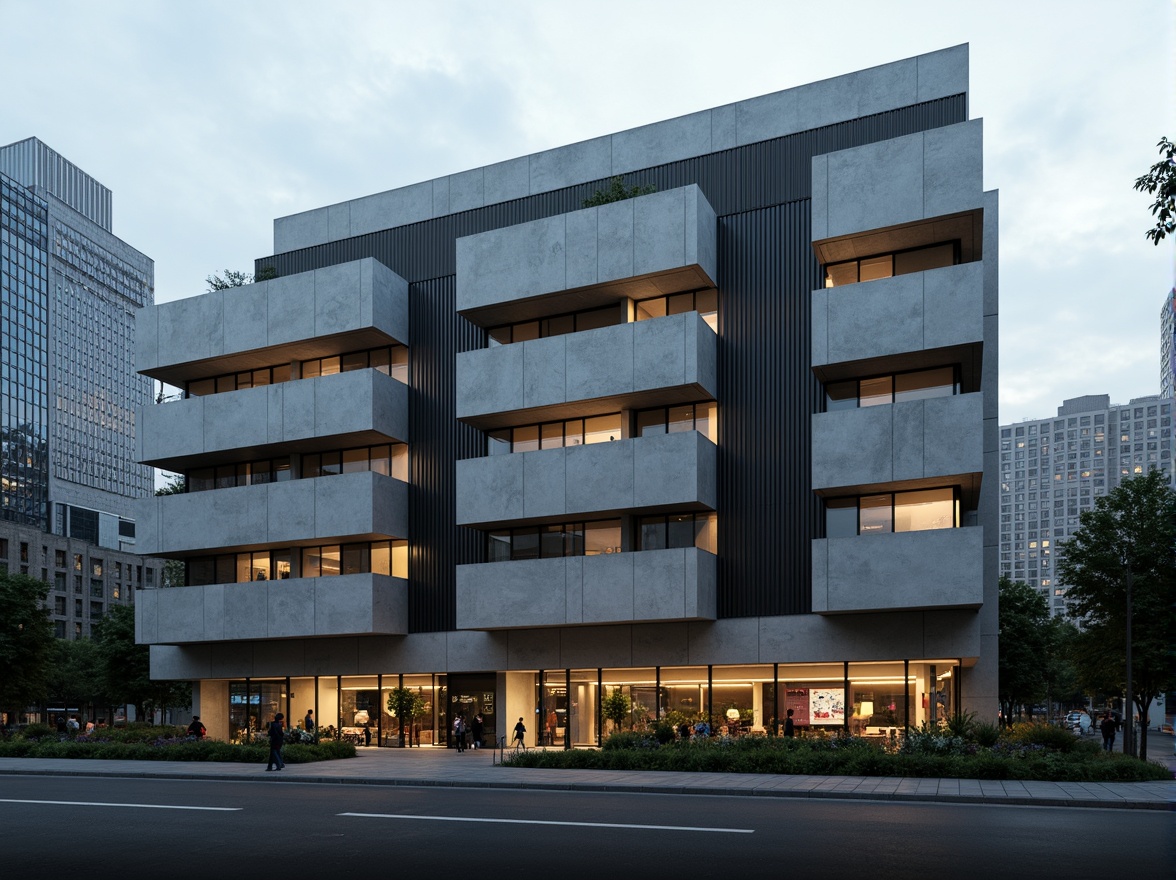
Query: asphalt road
[(135, 828)]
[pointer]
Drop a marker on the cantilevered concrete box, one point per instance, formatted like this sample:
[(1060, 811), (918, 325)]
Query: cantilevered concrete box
[(661, 361), (353, 604), (660, 243), (362, 506), (901, 443), (641, 473), (358, 408), (940, 568), (352, 306), (891, 321), (651, 585)]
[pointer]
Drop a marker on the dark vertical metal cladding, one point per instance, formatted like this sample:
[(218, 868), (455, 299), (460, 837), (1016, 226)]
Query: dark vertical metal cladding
[(767, 271)]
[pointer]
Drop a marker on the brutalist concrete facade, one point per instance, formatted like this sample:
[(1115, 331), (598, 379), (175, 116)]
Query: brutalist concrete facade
[(654, 372)]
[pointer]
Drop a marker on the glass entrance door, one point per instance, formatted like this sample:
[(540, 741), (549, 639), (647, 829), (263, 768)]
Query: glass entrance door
[(469, 695)]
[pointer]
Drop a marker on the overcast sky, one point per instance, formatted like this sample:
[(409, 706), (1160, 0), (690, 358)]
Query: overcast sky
[(209, 119)]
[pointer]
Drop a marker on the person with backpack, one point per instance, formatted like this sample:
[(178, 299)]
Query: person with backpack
[(196, 728), (277, 738), (459, 732)]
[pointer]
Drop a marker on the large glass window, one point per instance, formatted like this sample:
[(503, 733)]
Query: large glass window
[(376, 557), (892, 388), (887, 265), (701, 417), (668, 531), (554, 435), (573, 322), (552, 541), (249, 473), (887, 512), (705, 302), (391, 360)]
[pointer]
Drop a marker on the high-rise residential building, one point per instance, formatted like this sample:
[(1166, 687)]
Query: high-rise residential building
[(1053, 470), (69, 389), (1168, 346), (727, 446)]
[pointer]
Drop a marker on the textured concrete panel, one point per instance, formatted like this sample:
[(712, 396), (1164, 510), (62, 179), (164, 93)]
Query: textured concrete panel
[(953, 302), (590, 646), (544, 371), (490, 380), (301, 230), (659, 351), (499, 595), (339, 221), (662, 142), (660, 232), (567, 166), (659, 585), (861, 197), (465, 191), (664, 644), (667, 470), (336, 306), (943, 73), (147, 617), (214, 610), (246, 611), (235, 420), (290, 607), (908, 436), (724, 127), (490, 489), (248, 324), (820, 198), (875, 318), (291, 511), (766, 117), (440, 196), (475, 651), (598, 363), (608, 588), (940, 568), (852, 447), (172, 428), (953, 440), (544, 477), (290, 301), (600, 476), (533, 649), (507, 180), (953, 168)]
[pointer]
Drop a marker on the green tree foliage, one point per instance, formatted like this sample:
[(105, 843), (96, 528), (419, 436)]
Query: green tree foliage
[(175, 485), (1160, 181), (26, 641), (1024, 646), (616, 191), (125, 666), (232, 278), (74, 676), (406, 704), (616, 707), (1129, 537)]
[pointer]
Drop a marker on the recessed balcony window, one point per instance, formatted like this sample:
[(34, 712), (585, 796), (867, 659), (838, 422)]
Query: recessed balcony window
[(705, 302), (669, 531), (552, 541), (555, 435), (921, 259), (248, 473), (391, 360), (559, 325), (892, 388), (889, 512), (700, 417), (371, 557)]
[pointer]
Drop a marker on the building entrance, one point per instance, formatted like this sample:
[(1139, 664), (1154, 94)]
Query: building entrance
[(468, 695)]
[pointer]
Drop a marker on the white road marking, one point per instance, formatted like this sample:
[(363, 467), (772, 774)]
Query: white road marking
[(546, 822), (139, 806)]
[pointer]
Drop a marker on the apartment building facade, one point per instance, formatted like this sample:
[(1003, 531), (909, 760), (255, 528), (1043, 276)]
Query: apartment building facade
[(1054, 470), (728, 446)]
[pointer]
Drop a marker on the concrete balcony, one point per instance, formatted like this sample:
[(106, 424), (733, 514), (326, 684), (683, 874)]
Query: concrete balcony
[(660, 243), (911, 443), (656, 362), (652, 585), (347, 307), (345, 605), (359, 408), (666, 470), (355, 507), (908, 571), (890, 323)]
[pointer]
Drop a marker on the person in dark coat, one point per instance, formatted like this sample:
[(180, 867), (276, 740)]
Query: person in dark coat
[(277, 738), (789, 726), (477, 729), (1107, 728)]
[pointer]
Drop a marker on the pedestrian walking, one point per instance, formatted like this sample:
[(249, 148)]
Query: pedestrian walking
[(520, 734), (789, 725), (197, 728), (277, 738), (459, 732), (1107, 728), (308, 721)]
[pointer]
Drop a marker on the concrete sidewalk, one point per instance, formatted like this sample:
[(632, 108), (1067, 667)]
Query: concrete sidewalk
[(475, 769)]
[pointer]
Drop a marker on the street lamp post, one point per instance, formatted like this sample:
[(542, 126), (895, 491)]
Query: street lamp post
[(1129, 725)]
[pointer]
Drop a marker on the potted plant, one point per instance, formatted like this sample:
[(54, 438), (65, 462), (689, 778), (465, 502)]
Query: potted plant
[(405, 704), (616, 707)]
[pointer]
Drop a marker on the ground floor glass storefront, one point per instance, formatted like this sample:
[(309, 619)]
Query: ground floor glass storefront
[(569, 708)]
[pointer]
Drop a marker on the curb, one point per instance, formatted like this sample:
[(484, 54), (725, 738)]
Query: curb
[(904, 797)]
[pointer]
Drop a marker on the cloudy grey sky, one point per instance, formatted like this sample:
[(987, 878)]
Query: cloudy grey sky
[(209, 119)]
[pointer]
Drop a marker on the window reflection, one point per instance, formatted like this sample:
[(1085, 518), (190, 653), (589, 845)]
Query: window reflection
[(914, 511), (893, 388), (554, 435), (376, 557), (920, 259), (391, 360)]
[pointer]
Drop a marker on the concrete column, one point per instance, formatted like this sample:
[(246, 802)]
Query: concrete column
[(328, 695), (210, 700), (518, 700)]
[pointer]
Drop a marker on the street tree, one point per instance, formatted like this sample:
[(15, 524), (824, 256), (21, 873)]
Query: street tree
[(125, 666), (1160, 181), (406, 704), (73, 676), (1124, 555), (26, 641), (1024, 646)]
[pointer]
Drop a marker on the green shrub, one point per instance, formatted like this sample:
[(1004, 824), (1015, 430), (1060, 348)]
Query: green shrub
[(1037, 733), (37, 731), (985, 733), (171, 749)]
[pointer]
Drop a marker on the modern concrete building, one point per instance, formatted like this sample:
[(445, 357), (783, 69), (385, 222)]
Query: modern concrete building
[(728, 446), (69, 388), (1053, 470)]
